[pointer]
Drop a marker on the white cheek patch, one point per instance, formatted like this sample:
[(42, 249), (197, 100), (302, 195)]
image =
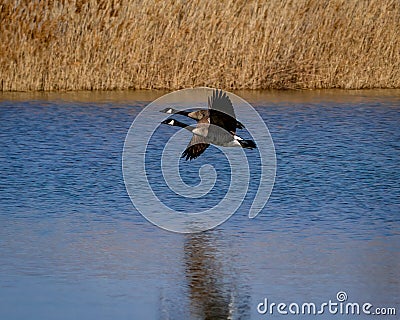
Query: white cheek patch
[(169, 111)]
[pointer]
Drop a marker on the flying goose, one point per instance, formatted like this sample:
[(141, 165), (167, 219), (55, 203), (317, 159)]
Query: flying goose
[(199, 114), (222, 132)]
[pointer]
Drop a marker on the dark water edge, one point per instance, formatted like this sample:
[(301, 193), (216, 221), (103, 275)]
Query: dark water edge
[(73, 246), (271, 96)]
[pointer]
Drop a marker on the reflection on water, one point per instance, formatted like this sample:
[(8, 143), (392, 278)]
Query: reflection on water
[(213, 294), (72, 246)]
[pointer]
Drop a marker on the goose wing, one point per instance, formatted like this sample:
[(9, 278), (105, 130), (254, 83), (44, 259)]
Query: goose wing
[(198, 143), (222, 113), (196, 147)]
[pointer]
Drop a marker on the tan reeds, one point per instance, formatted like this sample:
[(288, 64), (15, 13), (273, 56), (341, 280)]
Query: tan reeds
[(107, 44)]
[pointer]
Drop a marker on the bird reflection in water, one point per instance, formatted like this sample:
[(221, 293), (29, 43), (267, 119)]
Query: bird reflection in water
[(214, 291)]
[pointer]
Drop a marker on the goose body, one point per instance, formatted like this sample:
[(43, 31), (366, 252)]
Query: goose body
[(216, 125), (199, 114)]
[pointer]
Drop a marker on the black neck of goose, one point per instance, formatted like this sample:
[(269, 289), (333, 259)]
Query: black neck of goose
[(184, 113), (182, 125)]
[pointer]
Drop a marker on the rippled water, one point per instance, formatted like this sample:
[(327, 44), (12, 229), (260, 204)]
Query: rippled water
[(73, 246)]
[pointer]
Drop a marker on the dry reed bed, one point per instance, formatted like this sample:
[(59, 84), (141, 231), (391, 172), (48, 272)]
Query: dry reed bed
[(106, 44)]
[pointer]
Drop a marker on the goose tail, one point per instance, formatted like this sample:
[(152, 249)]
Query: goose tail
[(247, 144)]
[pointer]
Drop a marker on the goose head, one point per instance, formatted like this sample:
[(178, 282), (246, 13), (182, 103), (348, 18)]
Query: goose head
[(169, 110), (170, 122)]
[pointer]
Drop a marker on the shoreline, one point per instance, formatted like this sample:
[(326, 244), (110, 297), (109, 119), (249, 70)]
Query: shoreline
[(253, 96)]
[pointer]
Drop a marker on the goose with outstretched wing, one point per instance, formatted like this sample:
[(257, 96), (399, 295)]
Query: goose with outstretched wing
[(222, 108), (216, 126)]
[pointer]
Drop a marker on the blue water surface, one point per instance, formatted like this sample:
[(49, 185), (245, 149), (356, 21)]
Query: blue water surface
[(72, 245)]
